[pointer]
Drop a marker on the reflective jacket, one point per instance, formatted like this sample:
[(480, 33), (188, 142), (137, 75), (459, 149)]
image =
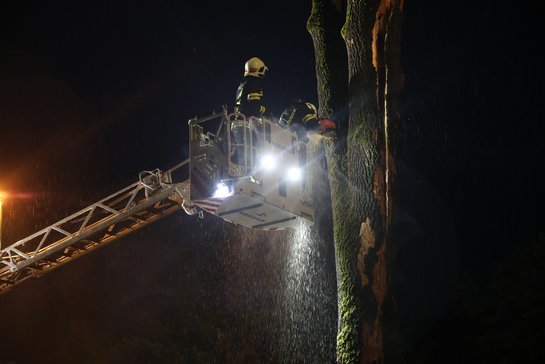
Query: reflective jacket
[(249, 98), (299, 113)]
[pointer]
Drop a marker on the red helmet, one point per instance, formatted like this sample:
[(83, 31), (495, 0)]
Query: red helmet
[(327, 125)]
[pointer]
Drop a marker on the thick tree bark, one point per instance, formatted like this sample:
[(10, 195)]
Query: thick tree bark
[(361, 175), (324, 25)]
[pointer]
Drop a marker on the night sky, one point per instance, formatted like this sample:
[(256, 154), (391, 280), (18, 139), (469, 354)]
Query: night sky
[(92, 95), (106, 90)]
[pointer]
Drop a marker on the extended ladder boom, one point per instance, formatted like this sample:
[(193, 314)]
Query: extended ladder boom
[(155, 195)]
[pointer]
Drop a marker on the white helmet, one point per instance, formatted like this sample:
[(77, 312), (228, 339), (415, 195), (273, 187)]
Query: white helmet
[(255, 67)]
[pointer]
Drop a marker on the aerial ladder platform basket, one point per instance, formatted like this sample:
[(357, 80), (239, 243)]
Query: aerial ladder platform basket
[(250, 172)]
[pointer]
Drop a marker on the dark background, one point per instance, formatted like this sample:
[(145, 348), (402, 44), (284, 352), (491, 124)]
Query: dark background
[(91, 95)]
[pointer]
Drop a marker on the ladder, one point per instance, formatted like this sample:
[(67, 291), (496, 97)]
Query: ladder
[(154, 196)]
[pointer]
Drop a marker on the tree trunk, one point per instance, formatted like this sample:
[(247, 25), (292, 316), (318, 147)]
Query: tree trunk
[(361, 175), (324, 25)]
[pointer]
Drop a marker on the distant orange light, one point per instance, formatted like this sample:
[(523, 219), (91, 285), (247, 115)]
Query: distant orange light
[(15, 195)]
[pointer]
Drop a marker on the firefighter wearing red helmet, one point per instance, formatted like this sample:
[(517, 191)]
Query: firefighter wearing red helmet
[(328, 127), (302, 117)]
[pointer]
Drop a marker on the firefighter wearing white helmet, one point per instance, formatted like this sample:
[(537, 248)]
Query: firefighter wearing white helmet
[(255, 67), (249, 98), (249, 101)]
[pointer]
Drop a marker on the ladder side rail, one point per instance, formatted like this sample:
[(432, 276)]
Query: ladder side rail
[(135, 188), (97, 227), (13, 259), (104, 215), (10, 279)]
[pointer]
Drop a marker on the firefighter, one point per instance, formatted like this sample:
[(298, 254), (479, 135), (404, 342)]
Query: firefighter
[(249, 101), (302, 117), (249, 98)]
